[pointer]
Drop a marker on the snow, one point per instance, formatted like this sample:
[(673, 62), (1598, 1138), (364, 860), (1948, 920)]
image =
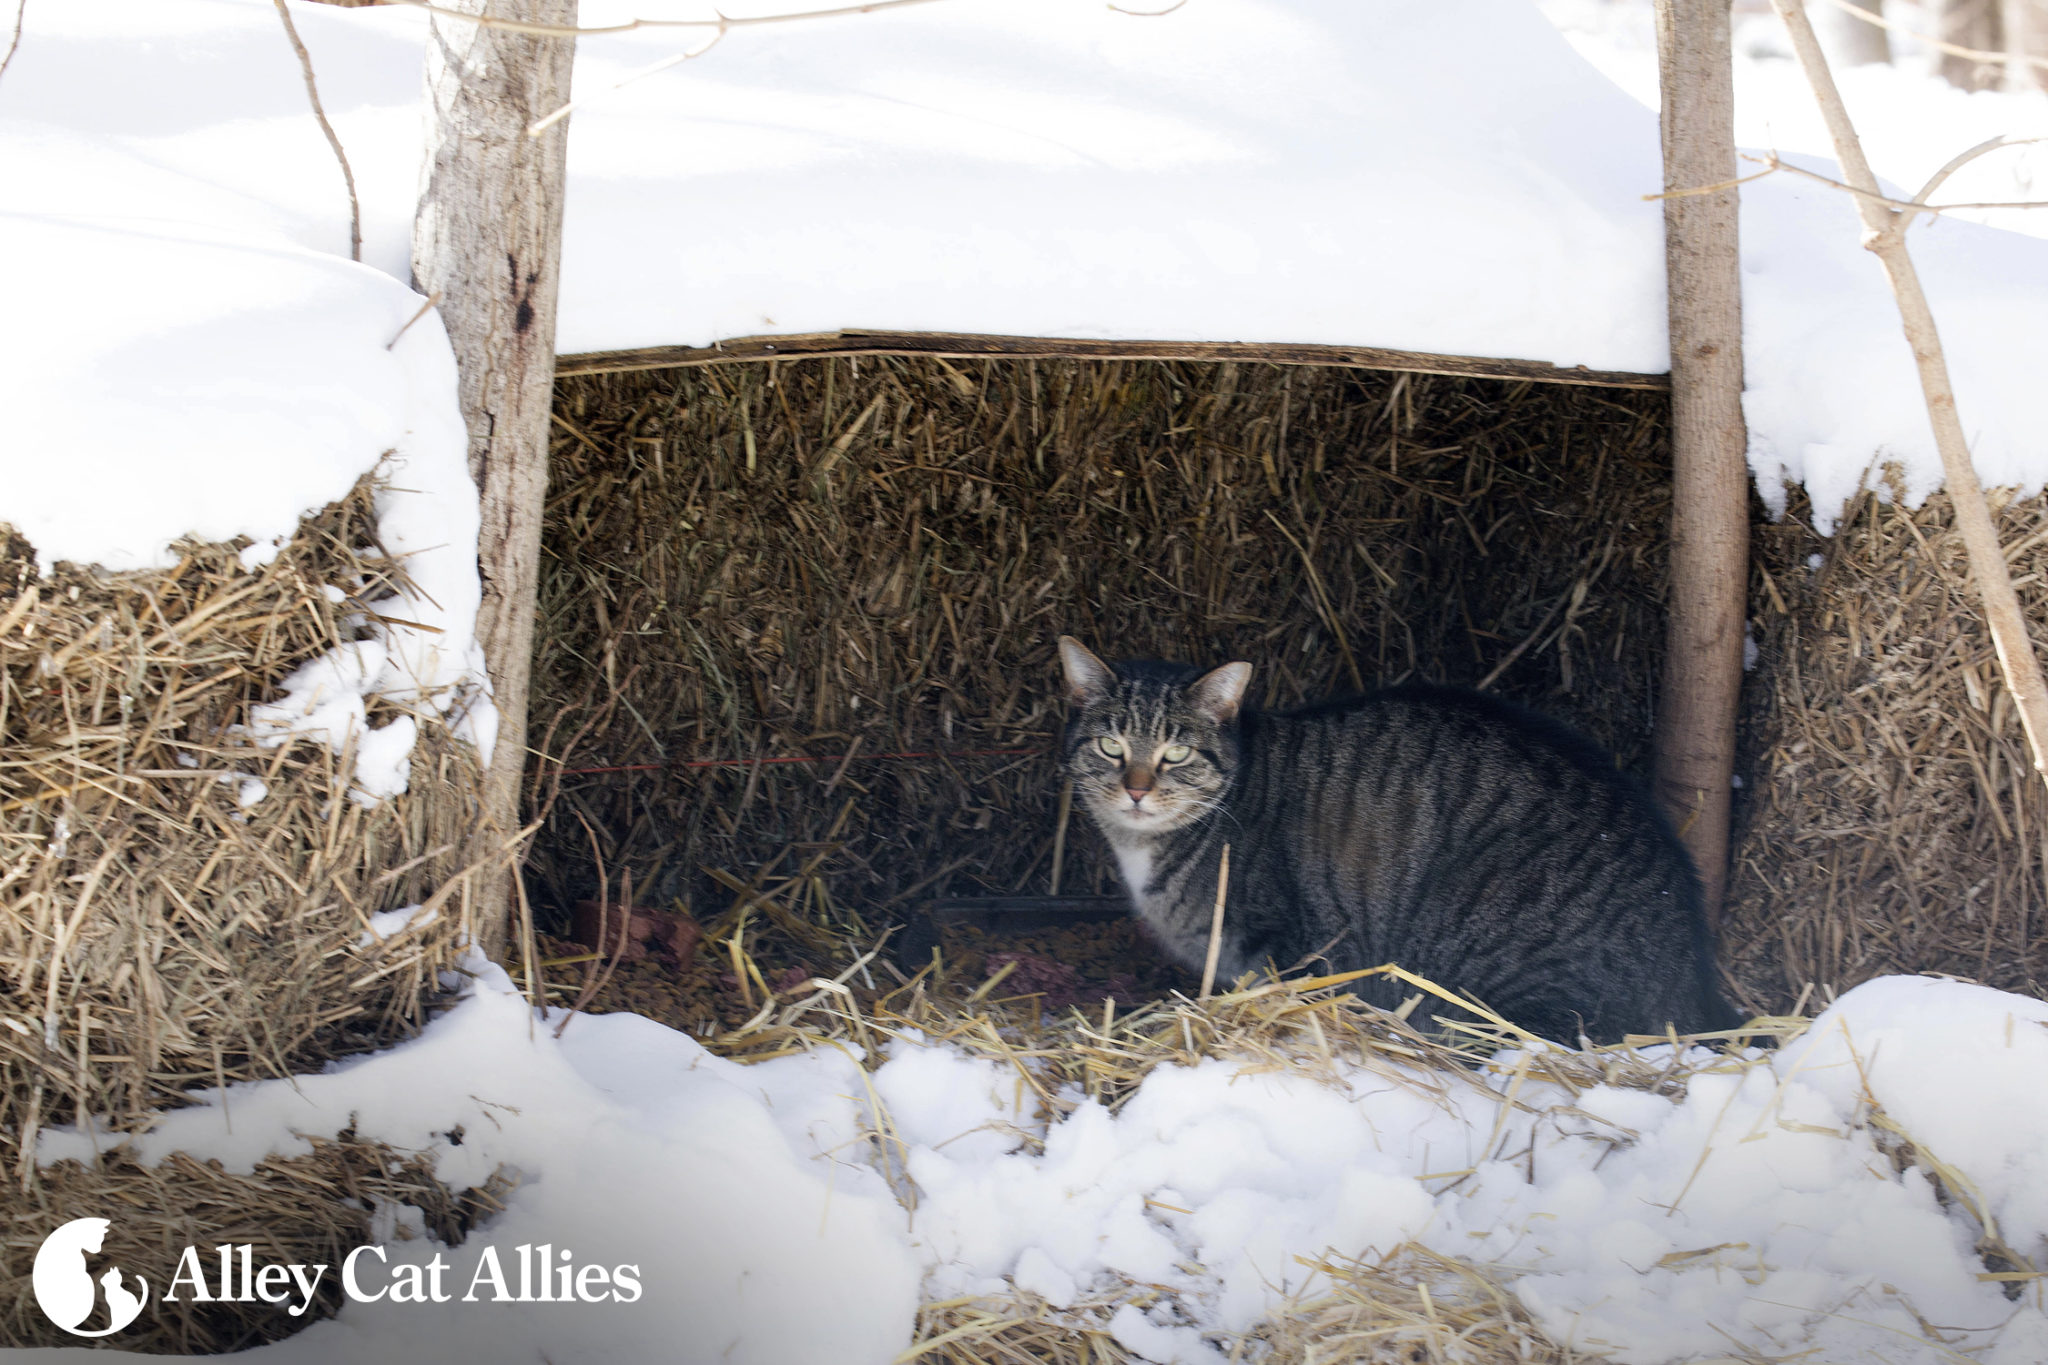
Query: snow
[(1256, 170), (190, 356), (755, 1240), (1757, 1211), (389, 924), (1832, 395), (179, 364), (1911, 123)]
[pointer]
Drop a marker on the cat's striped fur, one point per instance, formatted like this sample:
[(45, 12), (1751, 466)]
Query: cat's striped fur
[(1467, 839)]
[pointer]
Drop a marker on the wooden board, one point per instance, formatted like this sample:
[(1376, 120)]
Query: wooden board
[(1018, 914), (960, 346)]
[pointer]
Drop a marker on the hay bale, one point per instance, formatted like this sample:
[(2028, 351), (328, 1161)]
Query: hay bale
[(311, 1209), (1892, 821), (763, 568), (161, 930)]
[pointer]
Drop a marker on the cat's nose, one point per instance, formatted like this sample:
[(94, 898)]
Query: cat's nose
[(1138, 793)]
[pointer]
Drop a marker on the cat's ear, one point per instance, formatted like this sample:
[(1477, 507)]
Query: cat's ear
[(1088, 678), (1219, 693)]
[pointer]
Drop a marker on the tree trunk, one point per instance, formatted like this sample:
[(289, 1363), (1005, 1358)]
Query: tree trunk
[(1695, 749), (1972, 24), (1850, 41), (2022, 25), (488, 241)]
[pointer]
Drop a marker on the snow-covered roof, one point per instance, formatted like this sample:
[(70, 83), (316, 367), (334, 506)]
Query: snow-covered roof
[(1440, 176)]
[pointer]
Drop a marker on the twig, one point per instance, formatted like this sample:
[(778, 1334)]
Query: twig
[(599, 975), (1059, 836), (1772, 162), (1216, 926), (1519, 650), (539, 126), (1885, 234), (1962, 159), (432, 299), (721, 23), (14, 43), (1710, 189), (355, 207), (1906, 207), (1953, 49)]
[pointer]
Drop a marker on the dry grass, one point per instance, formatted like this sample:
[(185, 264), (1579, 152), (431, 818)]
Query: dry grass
[(153, 932), (155, 935), (311, 1209), (828, 556), (1894, 823), (1411, 1305), (822, 557)]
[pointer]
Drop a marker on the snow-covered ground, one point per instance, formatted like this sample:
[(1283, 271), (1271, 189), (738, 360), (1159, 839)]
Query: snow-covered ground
[(1760, 1214), (1429, 175)]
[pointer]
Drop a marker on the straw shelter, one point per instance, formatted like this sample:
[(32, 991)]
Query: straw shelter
[(798, 615), (795, 641), (792, 650), (794, 663)]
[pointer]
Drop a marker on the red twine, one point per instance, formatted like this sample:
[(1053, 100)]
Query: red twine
[(794, 758)]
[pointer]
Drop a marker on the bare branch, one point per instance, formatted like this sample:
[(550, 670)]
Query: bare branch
[(539, 126), (1906, 208), (432, 299), (14, 44), (1963, 159), (1711, 189), (721, 23), (1976, 54), (355, 207), (1885, 235)]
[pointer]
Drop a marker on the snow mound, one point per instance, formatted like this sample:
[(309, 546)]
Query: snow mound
[(1757, 1210), (754, 1241), (1426, 175)]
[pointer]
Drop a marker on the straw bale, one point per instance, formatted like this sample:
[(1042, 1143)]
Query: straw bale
[(311, 1209), (156, 934), (752, 563), (1892, 820)]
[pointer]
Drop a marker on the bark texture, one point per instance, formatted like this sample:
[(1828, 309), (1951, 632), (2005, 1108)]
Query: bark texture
[(1884, 232), (1695, 753), (487, 240)]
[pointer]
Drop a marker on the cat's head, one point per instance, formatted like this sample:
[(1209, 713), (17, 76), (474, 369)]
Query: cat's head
[(1150, 747)]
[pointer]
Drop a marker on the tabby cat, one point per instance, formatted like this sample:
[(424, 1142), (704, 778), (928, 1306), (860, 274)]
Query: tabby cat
[(1481, 845)]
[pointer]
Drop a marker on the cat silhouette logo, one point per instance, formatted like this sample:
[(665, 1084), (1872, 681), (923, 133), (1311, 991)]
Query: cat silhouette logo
[(64, 1287)]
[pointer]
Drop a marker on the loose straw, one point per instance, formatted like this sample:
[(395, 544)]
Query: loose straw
[(1216, 925)]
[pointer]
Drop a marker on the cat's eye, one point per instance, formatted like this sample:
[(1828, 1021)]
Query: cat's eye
[(1177, 753), (1111, 747)]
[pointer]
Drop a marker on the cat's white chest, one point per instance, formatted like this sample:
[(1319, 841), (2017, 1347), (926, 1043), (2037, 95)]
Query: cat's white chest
[(1134, 861)]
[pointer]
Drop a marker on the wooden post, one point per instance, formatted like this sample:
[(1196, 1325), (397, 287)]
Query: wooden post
[(1695, 743), (487, 241)]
